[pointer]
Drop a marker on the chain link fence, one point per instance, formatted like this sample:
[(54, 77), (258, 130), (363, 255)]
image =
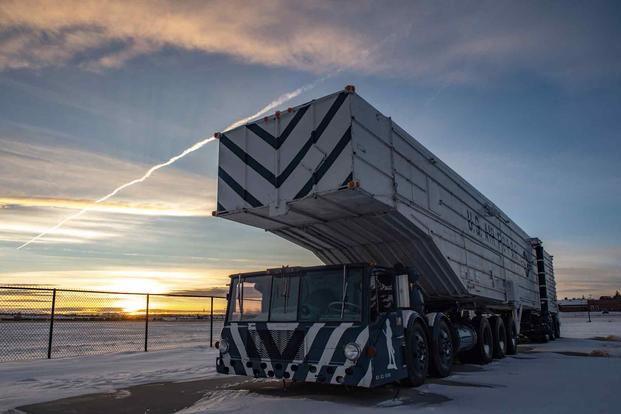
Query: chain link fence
[(50, 323)]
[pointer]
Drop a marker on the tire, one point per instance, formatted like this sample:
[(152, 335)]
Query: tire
[(512, 335), (442, 351), (552, 329), (483, 351), (499, 335), (416, 354), (557, 326)]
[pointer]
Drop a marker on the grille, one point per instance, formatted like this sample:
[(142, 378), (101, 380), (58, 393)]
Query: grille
[(281, 339)]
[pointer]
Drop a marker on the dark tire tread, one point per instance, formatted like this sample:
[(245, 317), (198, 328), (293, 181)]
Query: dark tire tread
[(416, 374), (442, 351)]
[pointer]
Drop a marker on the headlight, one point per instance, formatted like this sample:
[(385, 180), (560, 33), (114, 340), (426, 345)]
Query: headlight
[(352, 351), (224, 346)]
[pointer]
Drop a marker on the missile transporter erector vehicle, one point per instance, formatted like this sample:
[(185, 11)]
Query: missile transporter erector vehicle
[(420, 267), (334, 324)]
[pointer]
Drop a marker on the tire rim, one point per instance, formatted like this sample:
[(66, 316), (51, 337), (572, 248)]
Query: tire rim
[(446, 347), (421, 352), (487, 345)]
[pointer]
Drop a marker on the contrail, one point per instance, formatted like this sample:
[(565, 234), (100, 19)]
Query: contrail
[(146, 175), (281, 100), (278, 101)]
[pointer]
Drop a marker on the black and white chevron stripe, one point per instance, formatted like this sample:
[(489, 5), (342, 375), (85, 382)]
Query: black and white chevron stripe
[(317, 344), (301, 154), (313, 352)]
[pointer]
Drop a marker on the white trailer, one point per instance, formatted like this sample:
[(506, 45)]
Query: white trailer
[(339, 178)]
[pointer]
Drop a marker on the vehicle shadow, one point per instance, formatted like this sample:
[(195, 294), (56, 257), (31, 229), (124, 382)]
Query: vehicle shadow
[(390, 395)]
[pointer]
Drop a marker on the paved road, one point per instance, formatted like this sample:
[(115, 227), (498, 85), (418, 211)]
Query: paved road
[(547, 377), (169, 397)]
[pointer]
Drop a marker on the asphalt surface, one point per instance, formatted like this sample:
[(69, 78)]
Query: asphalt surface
[(169, 397)]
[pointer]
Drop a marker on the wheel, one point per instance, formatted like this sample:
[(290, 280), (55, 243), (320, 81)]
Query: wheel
[(499, 335), (557, 326), (416, 354), (483, 351), (552, 329), (442, 352), (512, 335)]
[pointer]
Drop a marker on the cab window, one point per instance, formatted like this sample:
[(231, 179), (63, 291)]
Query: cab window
[(250, 299), (331, 295), (284, 305)]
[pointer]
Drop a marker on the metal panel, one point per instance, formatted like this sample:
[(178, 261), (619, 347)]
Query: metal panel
[(409, 207)]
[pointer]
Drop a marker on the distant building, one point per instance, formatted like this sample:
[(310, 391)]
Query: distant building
[(607, 303), (573, 305), (604, 303)]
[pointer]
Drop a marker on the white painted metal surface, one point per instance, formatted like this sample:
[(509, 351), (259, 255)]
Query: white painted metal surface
[(341, 179)]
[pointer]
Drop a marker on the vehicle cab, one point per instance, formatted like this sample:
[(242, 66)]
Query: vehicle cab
[(337, 324)]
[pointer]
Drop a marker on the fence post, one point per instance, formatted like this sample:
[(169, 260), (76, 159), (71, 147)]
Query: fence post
[(211, 324), (49, 342), (146, 325)]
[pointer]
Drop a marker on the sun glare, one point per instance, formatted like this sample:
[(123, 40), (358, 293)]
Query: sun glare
[(135, 285), (133, 305)]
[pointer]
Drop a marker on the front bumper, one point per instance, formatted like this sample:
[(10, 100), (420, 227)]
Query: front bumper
[(353, 374)]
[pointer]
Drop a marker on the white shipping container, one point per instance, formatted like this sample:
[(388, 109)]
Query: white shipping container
[(339, 178)]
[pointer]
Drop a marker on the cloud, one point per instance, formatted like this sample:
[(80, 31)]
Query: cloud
[(40, 170), (117, 31), (41, 184), (200, 279), (121, 207), (214, 291), (582, 269), (464, 42)]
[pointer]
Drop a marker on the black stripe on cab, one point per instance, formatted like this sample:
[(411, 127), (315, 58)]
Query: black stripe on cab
[(269, 344), (248, 343), (238, 188), (296, 341)]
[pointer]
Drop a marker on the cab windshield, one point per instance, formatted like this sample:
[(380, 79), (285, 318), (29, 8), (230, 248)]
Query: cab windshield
[(320, 295)]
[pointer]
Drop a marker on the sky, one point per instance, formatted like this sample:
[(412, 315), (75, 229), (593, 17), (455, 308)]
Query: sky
[(523, 99)]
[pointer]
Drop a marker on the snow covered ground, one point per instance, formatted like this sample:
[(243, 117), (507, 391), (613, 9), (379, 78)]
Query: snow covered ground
[(28, 340), (29, 382), (576, 325), (560, 376)]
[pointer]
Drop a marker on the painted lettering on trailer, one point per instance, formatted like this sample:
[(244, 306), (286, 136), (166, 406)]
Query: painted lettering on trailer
[(493, 236)]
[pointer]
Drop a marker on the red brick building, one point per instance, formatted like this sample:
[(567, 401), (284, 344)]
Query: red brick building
[(608, 303), (604, 303)]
